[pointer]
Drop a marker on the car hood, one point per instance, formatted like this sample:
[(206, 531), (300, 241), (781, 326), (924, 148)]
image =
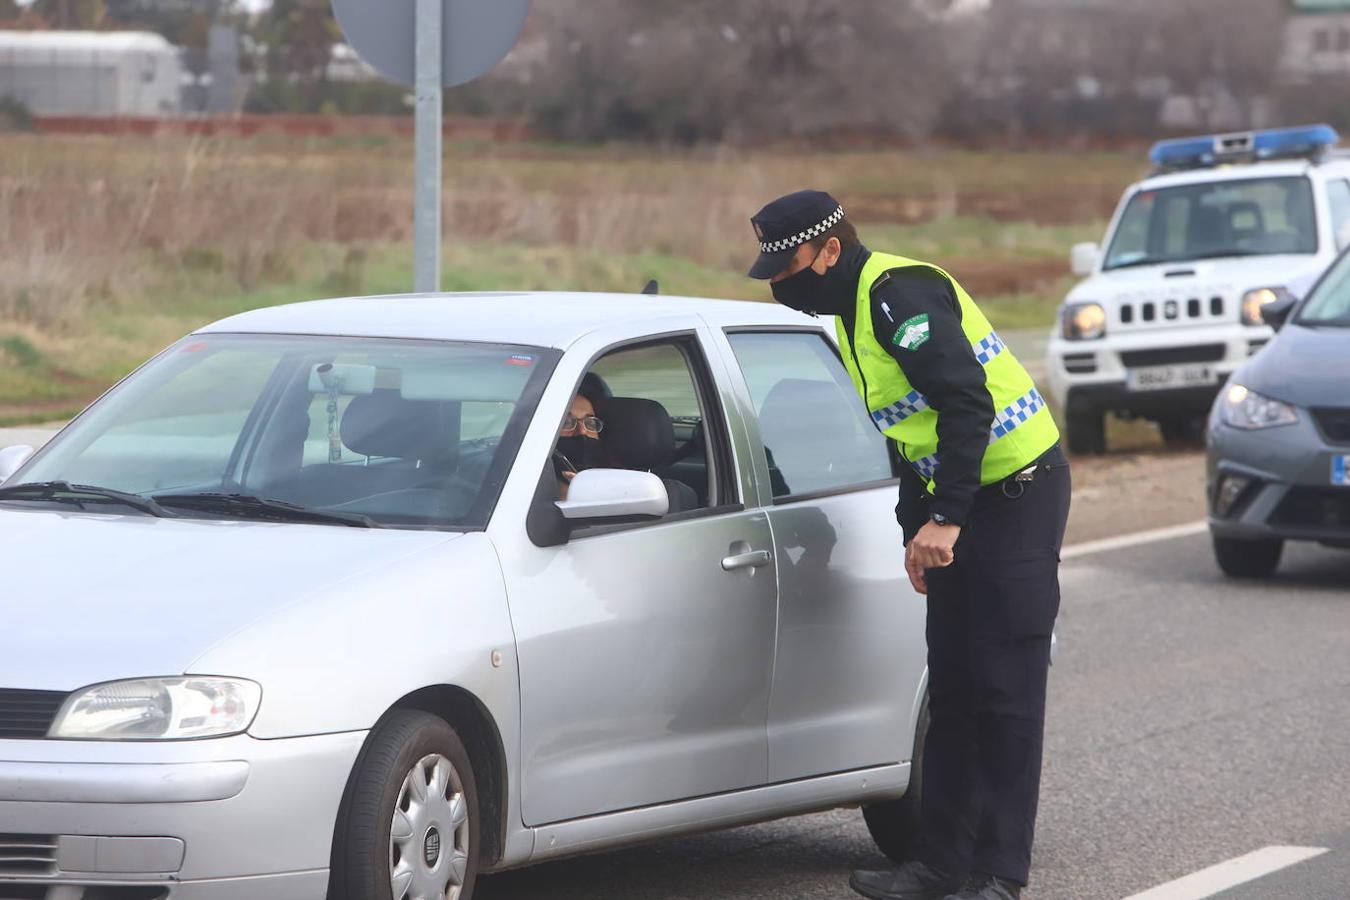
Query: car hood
[(1202, 277), (91, 598), (1304, 366)]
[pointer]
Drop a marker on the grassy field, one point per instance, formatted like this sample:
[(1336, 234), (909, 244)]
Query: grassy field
[(115, 246)]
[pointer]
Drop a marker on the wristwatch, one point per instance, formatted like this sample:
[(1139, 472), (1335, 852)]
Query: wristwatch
[(940, 519)]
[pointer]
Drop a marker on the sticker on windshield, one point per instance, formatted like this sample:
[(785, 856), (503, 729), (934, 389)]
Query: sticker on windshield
[(912, 333), (520, 359)]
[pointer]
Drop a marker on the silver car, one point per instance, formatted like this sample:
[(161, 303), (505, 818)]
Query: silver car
[(296, 611), (1279, 435)]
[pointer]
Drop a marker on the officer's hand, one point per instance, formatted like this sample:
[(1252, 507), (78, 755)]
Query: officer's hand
[(932, 546), (915, 571)]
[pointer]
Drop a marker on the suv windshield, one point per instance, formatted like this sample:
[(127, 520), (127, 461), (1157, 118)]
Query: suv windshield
[(1329, 303), (414, 434), (1212, 219)]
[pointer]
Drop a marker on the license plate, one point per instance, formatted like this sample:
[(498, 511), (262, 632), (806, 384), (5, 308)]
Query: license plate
[(1340, 470), (1161, 378)]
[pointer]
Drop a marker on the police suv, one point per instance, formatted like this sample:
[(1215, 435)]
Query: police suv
[(1225, 225)]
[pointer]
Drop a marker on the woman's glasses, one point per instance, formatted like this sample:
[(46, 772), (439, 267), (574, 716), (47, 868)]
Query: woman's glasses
[(590, 424)]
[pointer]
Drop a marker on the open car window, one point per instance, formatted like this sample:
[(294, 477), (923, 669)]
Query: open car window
[(408, 433)]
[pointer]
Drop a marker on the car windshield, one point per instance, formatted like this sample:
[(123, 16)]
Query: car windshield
[(1253, 217), (412, 434), (1329, 303)]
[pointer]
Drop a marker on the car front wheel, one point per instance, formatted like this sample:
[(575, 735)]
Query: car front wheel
[(894, 824), (408, 826), (1086, 428), (1248, 559)]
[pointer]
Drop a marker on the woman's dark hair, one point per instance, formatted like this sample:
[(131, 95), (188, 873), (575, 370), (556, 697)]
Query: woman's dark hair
[(844, 230), (593, 388)]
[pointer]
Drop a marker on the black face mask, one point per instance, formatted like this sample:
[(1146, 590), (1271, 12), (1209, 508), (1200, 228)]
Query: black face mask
[(582, 452), (815, 294)]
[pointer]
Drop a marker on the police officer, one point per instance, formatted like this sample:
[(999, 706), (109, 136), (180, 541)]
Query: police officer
[(984, 498)]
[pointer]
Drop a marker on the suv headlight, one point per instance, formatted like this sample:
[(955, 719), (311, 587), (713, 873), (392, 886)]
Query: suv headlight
[(1252, 301), (159, 709), (1083, 321), (1244, 409)]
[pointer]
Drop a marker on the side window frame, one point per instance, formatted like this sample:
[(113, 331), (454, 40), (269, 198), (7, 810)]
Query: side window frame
[(723, 477), (1337, 206), (892, 453)]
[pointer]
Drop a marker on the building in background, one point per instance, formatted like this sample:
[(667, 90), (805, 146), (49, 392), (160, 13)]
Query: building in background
[(87, 73), (1316, 41)]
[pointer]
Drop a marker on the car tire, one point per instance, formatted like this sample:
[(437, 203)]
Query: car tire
[(894, 824), (1086, 430), (385, 832), (1247, 559), (1182, 432)]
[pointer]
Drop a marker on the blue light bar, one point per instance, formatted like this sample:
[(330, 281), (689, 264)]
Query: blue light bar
[(1307, 142)]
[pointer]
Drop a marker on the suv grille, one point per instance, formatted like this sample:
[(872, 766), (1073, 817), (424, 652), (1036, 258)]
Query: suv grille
[(1335, 424), (1168, 356), (1314, 508), (1173, 310), (28, 714), (27, 854)]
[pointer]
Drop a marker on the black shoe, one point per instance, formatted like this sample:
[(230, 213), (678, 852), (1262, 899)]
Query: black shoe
[(912, 880), (987, 887)]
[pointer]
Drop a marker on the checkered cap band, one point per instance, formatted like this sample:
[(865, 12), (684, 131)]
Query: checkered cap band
[(797, 240)]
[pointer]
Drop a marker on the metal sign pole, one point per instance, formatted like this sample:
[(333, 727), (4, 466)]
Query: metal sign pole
[(427, 132)]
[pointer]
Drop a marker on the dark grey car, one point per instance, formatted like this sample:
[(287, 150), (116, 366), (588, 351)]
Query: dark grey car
[(1279, 435)]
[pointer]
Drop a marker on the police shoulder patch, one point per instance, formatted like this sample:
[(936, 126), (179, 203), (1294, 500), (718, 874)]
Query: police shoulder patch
[(912, 333)]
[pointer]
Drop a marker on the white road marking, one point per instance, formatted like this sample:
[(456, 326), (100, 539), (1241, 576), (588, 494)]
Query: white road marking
[(1216, 879), (1134, 540)]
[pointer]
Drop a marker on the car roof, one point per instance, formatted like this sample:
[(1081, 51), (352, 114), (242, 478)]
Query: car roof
[(1244, 171), (541, 319)]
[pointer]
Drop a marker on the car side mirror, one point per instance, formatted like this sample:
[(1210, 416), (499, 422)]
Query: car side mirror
[(1276, 313), (614, 494), (12, 459), (1084, 257)]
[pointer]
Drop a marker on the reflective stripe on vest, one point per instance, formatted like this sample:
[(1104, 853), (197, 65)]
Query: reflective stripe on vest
[(1006, 421), (1022, 428), (985, 350)]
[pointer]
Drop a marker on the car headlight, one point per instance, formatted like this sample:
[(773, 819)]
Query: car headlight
[(1245, 409), (159, 709), (1252, 301), (1083, 321)]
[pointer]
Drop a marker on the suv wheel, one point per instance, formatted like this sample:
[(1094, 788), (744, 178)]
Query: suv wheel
[(408, 825), (895, 823), (1086, 430), (1247, 559)]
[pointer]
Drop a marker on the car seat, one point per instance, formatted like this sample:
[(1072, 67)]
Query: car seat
[(639, 435)]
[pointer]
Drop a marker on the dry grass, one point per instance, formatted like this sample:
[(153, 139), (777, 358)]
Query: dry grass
[(114, 245)]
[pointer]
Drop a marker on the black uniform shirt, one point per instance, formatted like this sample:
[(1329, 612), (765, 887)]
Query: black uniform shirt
[(944, 369)]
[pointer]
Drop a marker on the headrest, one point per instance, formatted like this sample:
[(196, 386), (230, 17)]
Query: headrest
[(638, 433), (784, 418), (386, 424)]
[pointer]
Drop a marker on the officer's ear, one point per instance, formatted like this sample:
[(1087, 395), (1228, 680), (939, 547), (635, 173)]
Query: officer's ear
[(830, 253)]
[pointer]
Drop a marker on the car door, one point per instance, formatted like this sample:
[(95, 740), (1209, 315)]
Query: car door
[(645, 662), (851, 651)]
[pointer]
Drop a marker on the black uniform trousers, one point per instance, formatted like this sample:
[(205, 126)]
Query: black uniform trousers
[(990, 618)]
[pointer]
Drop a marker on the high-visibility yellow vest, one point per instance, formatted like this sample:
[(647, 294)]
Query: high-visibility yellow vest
[(1023, 427)]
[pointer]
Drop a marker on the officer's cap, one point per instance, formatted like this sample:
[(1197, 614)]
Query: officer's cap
[(787, 223)]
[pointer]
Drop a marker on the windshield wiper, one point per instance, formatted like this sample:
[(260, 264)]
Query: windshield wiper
[(248, 506), (1192, 257), (65, 492)]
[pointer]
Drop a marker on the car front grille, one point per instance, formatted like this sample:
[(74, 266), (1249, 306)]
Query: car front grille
[(1180, 309), (26, 854), (1169, 356), (28, 714), (1335, 424), (1314, 508)]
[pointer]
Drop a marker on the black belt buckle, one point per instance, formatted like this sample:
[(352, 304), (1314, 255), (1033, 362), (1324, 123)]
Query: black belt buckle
[(1016, 486)]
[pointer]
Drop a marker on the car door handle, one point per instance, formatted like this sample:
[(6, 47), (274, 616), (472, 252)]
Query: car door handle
[(751, 560)]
